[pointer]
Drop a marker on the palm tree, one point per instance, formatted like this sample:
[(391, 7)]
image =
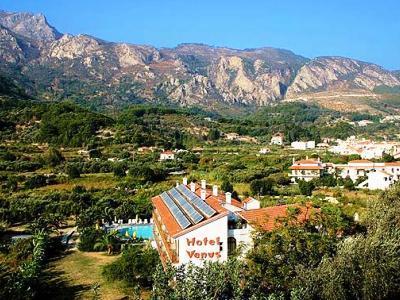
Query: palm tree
[(108, 241)]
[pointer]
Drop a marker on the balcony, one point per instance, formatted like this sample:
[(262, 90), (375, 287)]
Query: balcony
[(163, 246)]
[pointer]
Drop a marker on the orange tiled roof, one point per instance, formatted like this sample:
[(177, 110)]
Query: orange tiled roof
[(305, 168), (360, 161), (167, 152), (306, 161), (393, 163), (265, 218)]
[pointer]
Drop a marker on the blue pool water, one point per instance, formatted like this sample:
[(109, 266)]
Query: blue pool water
[(144, 231)]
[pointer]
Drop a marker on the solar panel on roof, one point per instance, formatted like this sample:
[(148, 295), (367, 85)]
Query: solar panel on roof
[(193, 215), (197, 201), (175, 211)]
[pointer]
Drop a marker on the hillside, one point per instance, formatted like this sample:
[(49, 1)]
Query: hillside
[(85, 69)]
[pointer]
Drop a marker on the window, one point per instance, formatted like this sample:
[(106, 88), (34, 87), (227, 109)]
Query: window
[(231, 245)]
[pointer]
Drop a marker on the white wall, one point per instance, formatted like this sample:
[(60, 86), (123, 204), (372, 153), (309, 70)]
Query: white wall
[(379, 181), (200, 252), (243, 238)]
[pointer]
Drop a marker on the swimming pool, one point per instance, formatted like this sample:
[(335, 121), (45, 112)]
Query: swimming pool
[(144, 231)]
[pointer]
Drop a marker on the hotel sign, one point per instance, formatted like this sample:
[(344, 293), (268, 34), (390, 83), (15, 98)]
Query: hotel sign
[(202, 246)]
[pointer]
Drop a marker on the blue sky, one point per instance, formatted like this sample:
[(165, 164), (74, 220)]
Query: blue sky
[(367, 30)]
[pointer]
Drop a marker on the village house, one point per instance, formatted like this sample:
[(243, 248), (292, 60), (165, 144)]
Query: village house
[(233, 136), (194, 223), (376, 175), (306, 169), (365, 148), (380, 180), (277, 139), (167, 155), (303, 145), (146, 149), (264, 151)]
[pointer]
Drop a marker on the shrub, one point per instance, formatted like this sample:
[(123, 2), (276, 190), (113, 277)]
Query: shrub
[(226, 186), (119, 171), (261, 187), (306, 187), (73, 171), (54, 157), (135, 266), (35, 182), (348, 184), (88, 238)]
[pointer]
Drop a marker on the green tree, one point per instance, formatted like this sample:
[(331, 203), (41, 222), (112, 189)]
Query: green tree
[(388, 158), (366, 265), (35, 181), (277, 256), (261, 186), (73, 171), (348, 184), (306, 187), (108, 240), (214, 134), (226, 186), (119, 171), (211, 281), (54, 157), (135, 266)]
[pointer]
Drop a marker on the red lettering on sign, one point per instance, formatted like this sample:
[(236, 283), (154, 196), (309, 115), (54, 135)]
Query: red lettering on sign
[(190, 242), (190, 253)]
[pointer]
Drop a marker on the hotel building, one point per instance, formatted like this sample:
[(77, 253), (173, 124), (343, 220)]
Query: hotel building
[(193, 223)]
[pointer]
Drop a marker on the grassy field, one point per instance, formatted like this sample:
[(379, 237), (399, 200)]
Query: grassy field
[(89, 181), (75, 275)]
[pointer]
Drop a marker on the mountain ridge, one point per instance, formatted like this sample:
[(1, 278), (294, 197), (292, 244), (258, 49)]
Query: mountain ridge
[(62, 66)]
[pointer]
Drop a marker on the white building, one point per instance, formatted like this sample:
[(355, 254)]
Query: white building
[(306, 169), (167, 155), (303, 145), (380, 180), (195, 224), (379, 175), (277, 139), (365, 148), (264, 151)]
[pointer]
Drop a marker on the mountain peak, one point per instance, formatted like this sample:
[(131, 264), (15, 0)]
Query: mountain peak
[(32, 26)]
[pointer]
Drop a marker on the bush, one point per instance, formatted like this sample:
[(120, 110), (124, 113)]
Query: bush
[(73, 171), (327, 180), (226, 186), (348, 184), (261, 187), (135, 266), (54, 157), (119, 171), (88, 238), (306, 187), (35, 182)]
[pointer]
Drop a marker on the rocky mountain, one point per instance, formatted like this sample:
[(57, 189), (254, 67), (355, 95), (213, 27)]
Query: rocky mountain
[(32, 26), (339, 74), (52, 65)]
